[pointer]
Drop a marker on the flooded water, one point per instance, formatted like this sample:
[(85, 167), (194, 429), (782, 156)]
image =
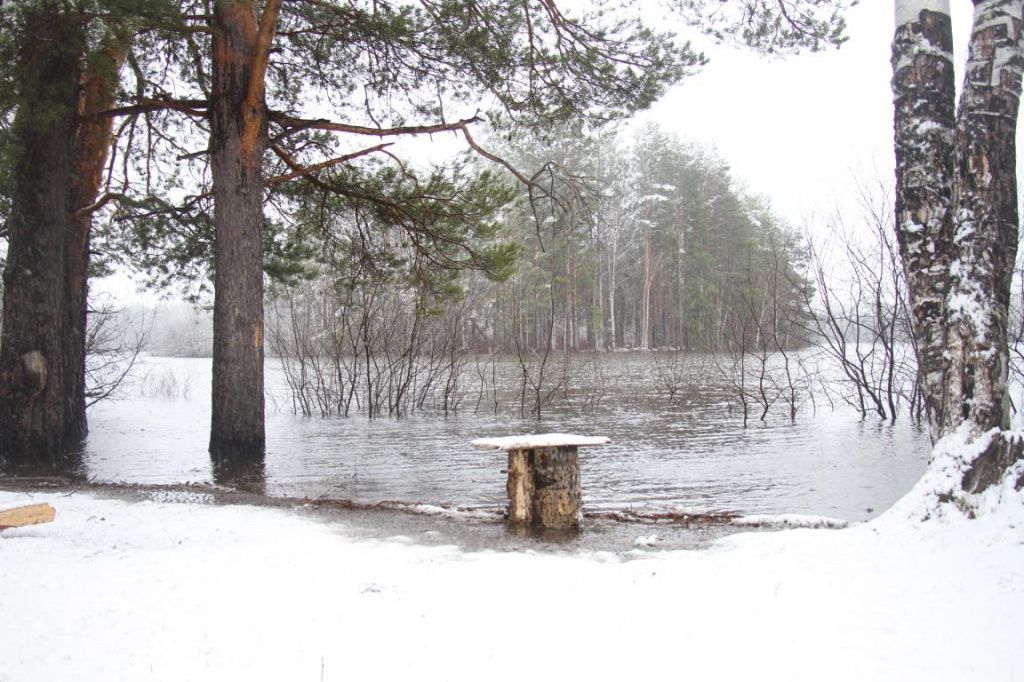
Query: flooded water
[(692, 455)]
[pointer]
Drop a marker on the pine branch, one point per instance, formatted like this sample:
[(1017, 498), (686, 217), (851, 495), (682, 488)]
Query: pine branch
[(300, 171), (294, 125), (191, 107)]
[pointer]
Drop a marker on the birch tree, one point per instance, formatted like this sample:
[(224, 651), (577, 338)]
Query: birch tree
[(956, 220)]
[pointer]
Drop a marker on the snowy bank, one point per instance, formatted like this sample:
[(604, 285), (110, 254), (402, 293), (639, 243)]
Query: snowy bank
[(115, 590)]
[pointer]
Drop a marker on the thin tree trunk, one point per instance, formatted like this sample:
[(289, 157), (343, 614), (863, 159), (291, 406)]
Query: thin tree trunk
[(92, 144), (612, 272), (33, 385), (600, 333), (238, 139), (645, 318)]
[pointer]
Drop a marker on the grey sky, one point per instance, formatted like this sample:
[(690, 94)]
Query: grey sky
[(804, 130)]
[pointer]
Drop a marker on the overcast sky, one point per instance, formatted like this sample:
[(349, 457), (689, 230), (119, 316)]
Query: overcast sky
[(806, 129)]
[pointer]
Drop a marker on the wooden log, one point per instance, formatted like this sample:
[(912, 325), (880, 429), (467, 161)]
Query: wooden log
[(544, 488), (26, 516)]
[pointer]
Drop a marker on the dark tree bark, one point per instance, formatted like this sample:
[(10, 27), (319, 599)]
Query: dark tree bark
[(238, 139), (34, 419), (924, 93), (92, 144)]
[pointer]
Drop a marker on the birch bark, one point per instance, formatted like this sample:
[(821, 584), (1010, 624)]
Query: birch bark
[(957, 218), (923, 98), (985, 234)]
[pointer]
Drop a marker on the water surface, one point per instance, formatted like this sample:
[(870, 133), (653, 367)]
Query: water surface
[(693, 454)]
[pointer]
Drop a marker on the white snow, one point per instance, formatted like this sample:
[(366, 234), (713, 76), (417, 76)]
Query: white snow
[(115, 590), (538, 440), (646, 540), (939, 493), (446, 512), (789, 521)]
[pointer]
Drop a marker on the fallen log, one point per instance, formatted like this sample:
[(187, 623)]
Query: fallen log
[(26, 516)]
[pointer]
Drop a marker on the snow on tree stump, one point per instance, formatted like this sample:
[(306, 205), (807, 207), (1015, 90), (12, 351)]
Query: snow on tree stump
[(543, 478)]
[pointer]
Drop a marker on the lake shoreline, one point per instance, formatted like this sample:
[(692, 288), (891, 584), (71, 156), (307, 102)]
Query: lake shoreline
[(468, 527)]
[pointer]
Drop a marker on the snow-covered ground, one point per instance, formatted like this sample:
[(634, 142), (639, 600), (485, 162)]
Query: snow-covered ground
[(116, 590)]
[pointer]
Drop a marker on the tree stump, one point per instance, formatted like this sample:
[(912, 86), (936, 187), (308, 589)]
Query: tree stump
[(544, 488), (543, 478)]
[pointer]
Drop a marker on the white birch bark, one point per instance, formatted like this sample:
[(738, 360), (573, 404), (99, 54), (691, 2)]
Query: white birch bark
[(985, 233), (923, 96), (958, 229)]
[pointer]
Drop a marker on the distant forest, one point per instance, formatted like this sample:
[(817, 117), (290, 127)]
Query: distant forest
[(638, 241)]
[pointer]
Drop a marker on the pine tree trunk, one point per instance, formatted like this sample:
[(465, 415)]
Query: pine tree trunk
[(238, 139), (33, 385), (92, 144)]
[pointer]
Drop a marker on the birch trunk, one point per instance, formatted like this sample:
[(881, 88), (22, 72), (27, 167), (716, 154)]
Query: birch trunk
[(985, 232), (924, 93), (958, 228)]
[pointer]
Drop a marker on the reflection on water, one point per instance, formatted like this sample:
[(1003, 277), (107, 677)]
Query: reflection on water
[(242, 473), (68, 465), (692, 454)]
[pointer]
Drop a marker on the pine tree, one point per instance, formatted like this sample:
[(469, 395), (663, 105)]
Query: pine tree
[(59, 62)]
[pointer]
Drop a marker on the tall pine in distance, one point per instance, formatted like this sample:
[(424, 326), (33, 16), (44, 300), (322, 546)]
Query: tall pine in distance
[(646, 243)]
